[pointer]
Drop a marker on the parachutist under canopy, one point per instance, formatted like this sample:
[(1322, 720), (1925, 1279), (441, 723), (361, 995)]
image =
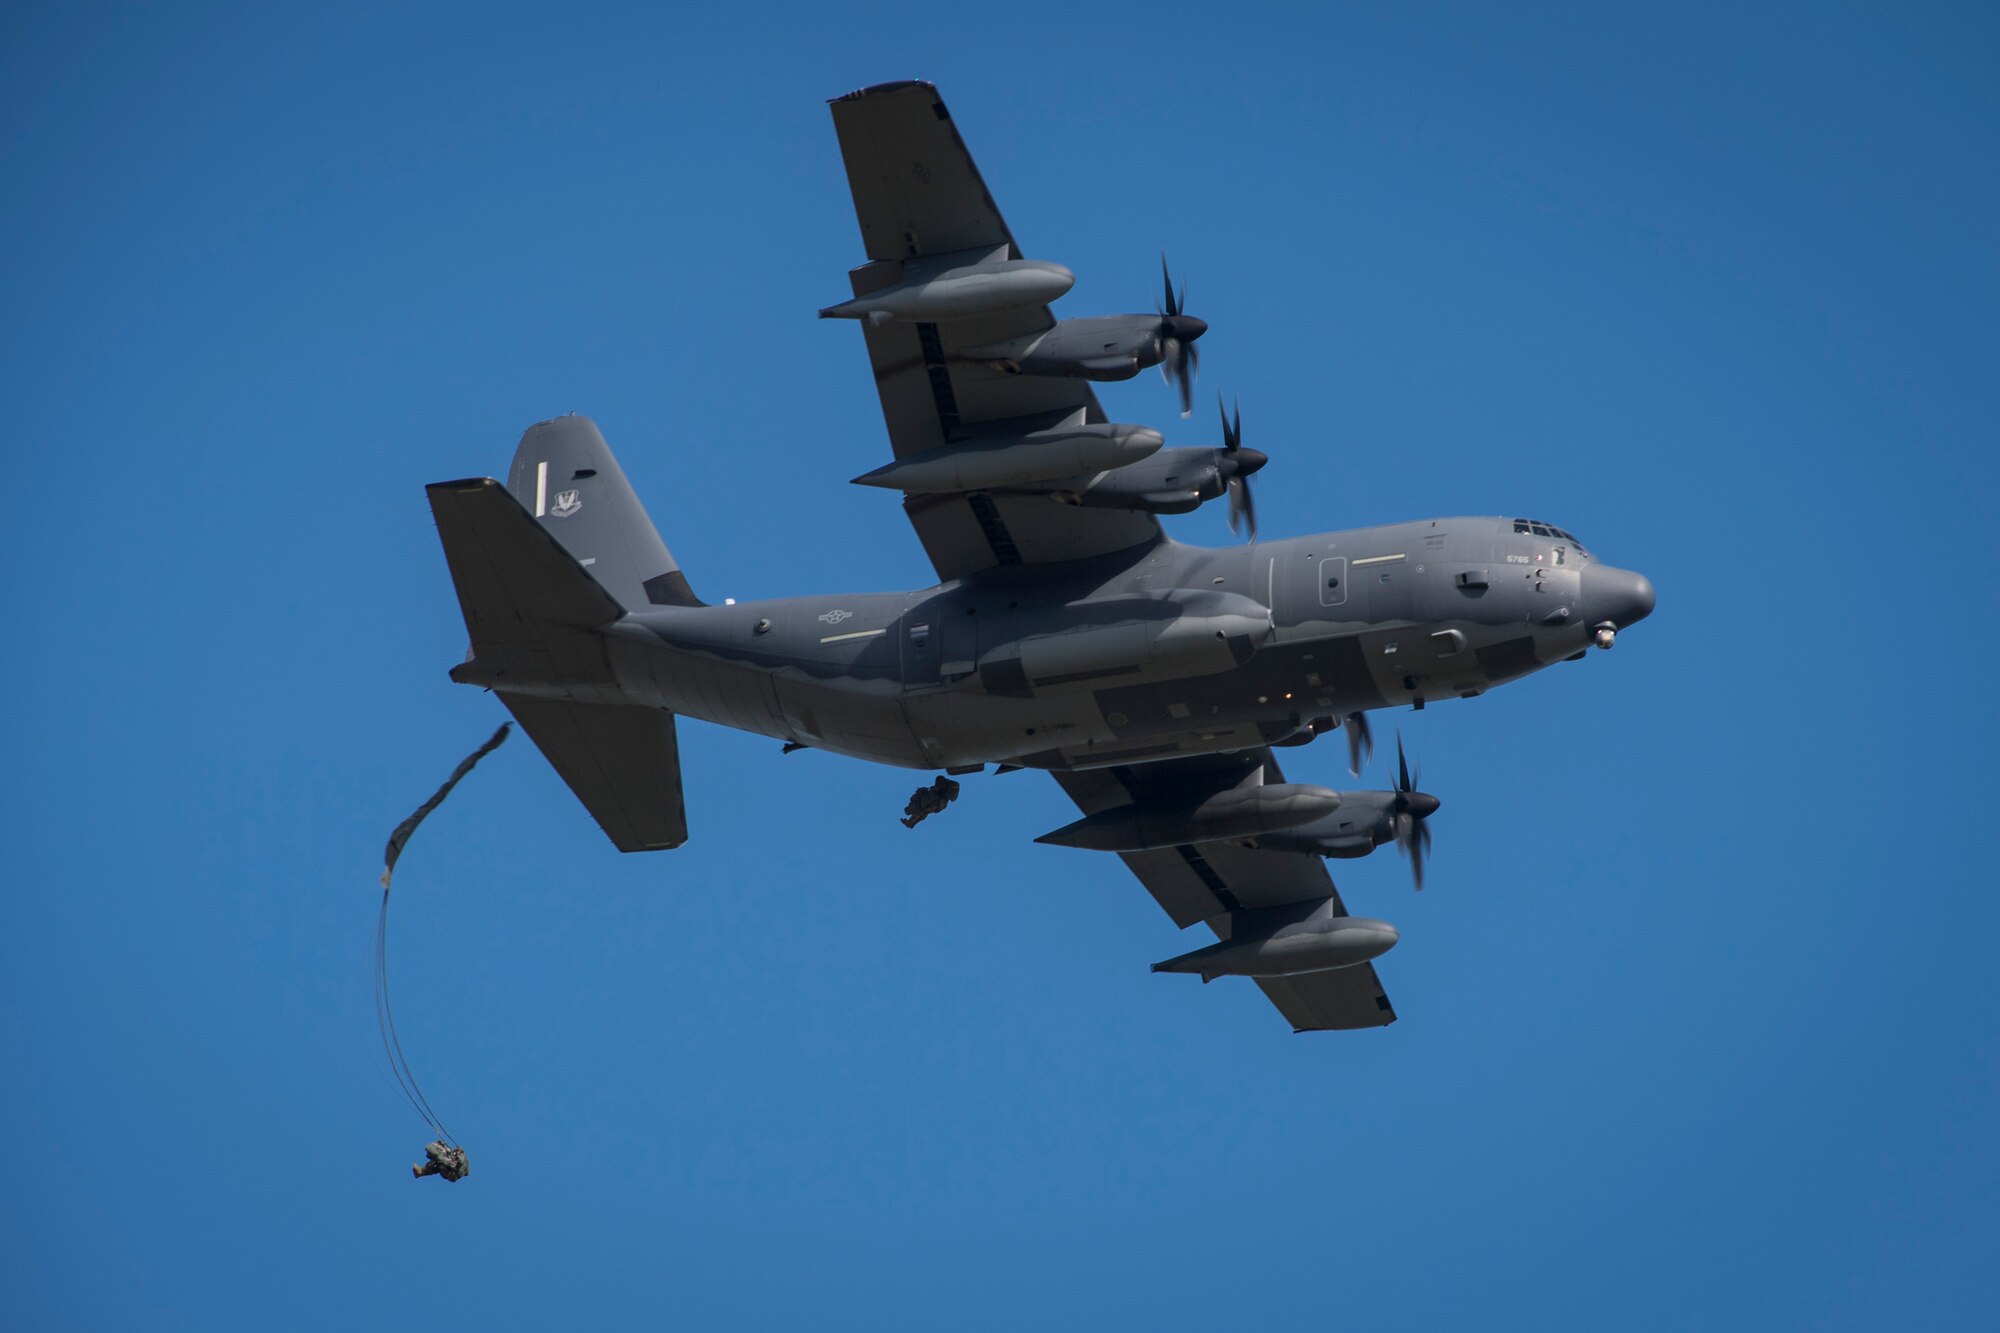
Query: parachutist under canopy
[(928, 801), (442, 1160)]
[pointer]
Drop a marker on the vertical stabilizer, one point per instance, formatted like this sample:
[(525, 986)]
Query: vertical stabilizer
[(566, 477)]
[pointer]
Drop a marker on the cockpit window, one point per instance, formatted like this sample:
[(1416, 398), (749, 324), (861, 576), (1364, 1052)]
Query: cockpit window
[(1540, 529)]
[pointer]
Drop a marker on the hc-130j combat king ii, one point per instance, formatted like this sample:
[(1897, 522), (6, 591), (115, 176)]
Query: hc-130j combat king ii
[(1153, 680)]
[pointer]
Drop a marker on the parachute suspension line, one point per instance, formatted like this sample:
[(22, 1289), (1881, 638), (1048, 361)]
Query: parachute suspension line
[(385, 1016), (385, 1023)]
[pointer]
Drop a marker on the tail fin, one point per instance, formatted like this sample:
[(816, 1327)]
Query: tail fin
[(533, 611), (565, 475)]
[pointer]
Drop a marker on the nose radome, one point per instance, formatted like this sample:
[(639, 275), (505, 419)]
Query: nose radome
[(1622, 596)]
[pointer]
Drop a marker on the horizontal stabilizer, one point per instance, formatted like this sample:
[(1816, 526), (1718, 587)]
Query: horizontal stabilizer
[(623, 763), (513, 578)]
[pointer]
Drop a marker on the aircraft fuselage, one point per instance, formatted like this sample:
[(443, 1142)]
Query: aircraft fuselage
[(1143, 655)]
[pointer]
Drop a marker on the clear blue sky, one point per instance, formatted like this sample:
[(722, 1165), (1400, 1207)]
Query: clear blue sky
[(1698, 1016)]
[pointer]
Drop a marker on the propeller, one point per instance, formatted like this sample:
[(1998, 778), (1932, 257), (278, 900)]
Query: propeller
[(1360, 741), (1411, 810), (1178, 358), (1236, 465)]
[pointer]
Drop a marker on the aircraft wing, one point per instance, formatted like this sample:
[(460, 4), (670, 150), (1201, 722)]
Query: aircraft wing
[(1205, 881), (917, 192)]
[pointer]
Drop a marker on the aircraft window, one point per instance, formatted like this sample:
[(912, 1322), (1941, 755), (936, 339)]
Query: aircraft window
[(1540, 529)]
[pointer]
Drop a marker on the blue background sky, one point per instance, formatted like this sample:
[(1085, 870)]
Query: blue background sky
[(1698, 1016)]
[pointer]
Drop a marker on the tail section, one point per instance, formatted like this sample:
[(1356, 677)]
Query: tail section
[(622, 761), (566, 477), (535, 590), (519, 590)]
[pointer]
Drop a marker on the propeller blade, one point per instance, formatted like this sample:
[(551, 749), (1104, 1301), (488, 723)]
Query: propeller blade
[(1236, 465), (1413, 811), (1360, 741), (1179, 362), (1242, 509)]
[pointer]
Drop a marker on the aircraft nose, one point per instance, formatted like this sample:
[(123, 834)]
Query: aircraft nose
[(1622, 596)]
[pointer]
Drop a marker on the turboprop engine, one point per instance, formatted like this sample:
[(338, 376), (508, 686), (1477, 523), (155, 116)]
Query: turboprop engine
[(947, 289), (1108, 347), (1279, 942), (1171, 481), (1101, 347), (1019, 452), (1132, 640), (1367, 820), (1236, 813)]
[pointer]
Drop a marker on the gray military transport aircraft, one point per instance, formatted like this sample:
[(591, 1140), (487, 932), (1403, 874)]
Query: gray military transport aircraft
[(1067, 631)]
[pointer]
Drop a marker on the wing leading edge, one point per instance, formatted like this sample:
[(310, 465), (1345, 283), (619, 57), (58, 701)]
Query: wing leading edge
[(1209, 880)]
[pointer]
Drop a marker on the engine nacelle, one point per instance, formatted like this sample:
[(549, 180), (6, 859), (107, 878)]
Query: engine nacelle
[(1360, 826), (1013, 456), (1170, 481), (962, 291), (1102, 347), (1229, 814), (1262, 944)]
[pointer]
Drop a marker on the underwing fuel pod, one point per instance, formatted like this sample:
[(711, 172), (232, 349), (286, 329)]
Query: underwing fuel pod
[(1278, 942), (944, 289)]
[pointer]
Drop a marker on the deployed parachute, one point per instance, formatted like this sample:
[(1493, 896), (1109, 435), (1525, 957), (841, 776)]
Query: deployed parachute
[(444, 1157)]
